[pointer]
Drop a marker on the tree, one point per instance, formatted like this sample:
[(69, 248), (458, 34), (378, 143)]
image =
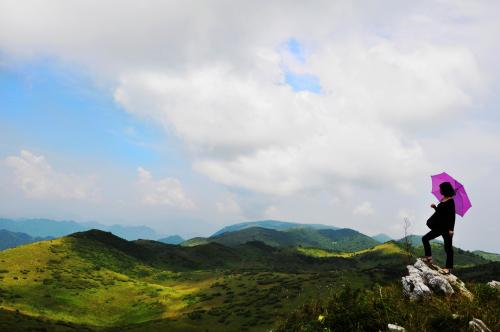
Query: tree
[(407, 245)]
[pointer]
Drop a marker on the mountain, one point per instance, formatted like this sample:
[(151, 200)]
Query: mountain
[(271, 224), (57, 228), (416, 240), (488, 255), (10, 239), (341, 239), (172, 239), (381, 237)]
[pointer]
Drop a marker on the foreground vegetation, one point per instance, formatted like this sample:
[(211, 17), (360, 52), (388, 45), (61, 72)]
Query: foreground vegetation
[(373, 309)]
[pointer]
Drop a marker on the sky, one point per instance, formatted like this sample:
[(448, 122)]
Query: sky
[(187, 116)]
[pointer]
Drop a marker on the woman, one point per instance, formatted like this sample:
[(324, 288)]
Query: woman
[(442, 223)]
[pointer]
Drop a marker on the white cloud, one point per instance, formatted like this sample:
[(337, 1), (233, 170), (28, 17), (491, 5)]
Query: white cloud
[(228, 206), (218, 82), (364, 209), (38, 179), (166, 191), (273, 212)]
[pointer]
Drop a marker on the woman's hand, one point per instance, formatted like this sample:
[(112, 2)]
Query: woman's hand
[(451, 233), (433, 206)]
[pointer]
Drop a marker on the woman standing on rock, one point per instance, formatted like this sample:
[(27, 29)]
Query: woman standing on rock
[(442, 223)]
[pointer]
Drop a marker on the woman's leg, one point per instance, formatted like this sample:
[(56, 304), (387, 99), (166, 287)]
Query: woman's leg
[(425, 240), (448, 248)]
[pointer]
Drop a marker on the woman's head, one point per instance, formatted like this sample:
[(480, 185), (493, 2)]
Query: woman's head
[(446, 189)]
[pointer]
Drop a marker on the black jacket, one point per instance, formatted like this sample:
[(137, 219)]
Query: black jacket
[(443, 218)]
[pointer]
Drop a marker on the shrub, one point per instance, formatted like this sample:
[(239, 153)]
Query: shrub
[(372, 309)]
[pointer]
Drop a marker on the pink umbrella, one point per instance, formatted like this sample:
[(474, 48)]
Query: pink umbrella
[(462, 202)]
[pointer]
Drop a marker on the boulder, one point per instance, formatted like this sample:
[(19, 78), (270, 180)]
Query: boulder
[(494, 284), (425, 279), (478, 325)]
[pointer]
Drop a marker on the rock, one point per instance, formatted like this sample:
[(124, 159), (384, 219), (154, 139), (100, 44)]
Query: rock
[(394, 327), (425, 279), (478, 325), (494, 284)]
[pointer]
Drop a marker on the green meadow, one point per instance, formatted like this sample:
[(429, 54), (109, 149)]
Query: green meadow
[(96, 281)]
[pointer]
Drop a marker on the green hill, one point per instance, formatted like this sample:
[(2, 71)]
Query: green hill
[(416, 240), (488, 255), (343, 239), (270, 224), (95, 280), (172, 239), (381, 237)]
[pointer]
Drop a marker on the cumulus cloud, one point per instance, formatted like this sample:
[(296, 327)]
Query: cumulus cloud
[(219, 83), (229, 206), (364, 209), (38, 179), (166, 191)]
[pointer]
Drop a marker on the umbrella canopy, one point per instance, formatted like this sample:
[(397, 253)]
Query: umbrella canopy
[(462, 202)]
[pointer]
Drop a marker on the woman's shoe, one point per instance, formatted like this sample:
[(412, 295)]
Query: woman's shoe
[(446, 271), (426, 259)]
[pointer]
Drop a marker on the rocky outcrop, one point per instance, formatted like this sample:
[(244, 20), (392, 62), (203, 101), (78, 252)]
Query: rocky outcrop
[(494, 284), (425, 279)]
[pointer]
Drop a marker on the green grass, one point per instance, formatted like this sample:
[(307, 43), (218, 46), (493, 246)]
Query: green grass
[(388, 248), (488, 255), (373, 308), (94, 280), (77, 281)]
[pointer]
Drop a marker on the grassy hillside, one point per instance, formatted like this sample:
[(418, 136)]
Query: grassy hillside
[(95, 280), (343, 239), (373, 308), (488, 255)]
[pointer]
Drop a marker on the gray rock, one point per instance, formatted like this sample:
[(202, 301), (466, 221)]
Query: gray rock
[(478, 325), (394, 327), (425, 279), (494, 284)]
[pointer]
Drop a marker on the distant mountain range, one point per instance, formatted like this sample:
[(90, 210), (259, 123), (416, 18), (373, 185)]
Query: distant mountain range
[(270, 224), (274, 233), (10, 239), (338, 239), (172, 239), (381, 237), (56, 228)]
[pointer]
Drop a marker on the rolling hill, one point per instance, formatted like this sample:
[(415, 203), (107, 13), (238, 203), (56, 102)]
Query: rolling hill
[(270, 224), (488, 255), (172, 239), (381, 237), (93, 280), (343, 239)]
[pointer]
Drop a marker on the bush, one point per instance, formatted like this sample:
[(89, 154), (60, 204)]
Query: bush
[(373, 309)]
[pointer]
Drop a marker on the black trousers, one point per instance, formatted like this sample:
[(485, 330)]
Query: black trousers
[(448, 248)]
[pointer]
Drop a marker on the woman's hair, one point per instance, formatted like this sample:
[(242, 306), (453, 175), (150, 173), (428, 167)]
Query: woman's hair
[(447, 189)]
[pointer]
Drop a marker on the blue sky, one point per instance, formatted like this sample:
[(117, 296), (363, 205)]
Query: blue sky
[(315, 116)]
